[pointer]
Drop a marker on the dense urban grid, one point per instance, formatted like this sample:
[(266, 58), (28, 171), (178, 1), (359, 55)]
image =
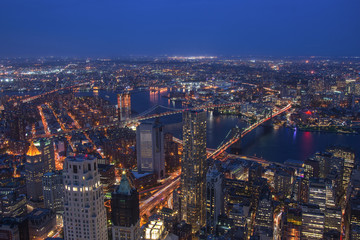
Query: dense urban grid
[(79, 161)]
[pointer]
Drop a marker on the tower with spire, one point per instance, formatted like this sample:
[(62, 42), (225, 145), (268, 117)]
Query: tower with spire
[(125, 211), (35, 169)]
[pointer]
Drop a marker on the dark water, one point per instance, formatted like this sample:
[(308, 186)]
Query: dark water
[(269, 143)]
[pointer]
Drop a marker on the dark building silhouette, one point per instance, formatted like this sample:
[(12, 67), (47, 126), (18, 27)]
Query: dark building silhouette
[(125, 211)]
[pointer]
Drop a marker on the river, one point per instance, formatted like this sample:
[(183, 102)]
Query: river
[(272, 144)]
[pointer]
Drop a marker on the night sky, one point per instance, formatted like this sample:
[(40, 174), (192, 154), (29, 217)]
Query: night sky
[(112, 28)]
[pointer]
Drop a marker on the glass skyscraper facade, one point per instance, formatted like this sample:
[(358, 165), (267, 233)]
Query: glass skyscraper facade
[(194, 169)]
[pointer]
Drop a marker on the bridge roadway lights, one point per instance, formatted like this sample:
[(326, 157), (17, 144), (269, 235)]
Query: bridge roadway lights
[(139, 118)]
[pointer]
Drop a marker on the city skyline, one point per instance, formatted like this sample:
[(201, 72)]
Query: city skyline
[(179, 120), (264, 148)]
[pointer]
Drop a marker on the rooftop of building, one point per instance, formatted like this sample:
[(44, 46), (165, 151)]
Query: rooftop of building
[(138, 175), (39, 213), (48, 174), (32, 151), (124, 187), (81, 158), (105, 167), (213, 172)]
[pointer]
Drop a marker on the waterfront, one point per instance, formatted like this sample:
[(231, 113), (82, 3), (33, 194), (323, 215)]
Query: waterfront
[(272, 144)]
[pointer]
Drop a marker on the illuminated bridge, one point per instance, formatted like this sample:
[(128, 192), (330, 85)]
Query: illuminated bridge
[(140, 117), (166, 189), (29, 99), (240, 135)]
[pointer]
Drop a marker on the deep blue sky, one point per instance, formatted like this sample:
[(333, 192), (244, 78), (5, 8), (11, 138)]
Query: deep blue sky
[(179, 27)]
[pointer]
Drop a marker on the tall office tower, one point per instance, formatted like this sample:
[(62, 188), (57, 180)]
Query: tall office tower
[(283, 182), (330, 194), (125, 211), (177, 203), (84, 211), (312, 168), (327, 163), (296, 190), (348, 156), (255, 172), (150, 148), (53, 189), (214, 198), (124, 105), (172, 156), (35, 169), (317, 193), (312, 222), (264, 211), (193, 169), (293, 224), (17, 126), (332, 220), (46, 148), (354, 206)]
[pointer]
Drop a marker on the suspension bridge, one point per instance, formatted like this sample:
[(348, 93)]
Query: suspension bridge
[(141, 117), (29, 99), (240, 134)]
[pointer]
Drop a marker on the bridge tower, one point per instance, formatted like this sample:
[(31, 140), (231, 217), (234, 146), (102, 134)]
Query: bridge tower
[(236, 147), (269, 123)]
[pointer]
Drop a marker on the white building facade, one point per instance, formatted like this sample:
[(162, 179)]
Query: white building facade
[(84, 210)]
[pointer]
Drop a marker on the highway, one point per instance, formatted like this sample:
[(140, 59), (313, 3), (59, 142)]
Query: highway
[(155, 200), (166, 181)]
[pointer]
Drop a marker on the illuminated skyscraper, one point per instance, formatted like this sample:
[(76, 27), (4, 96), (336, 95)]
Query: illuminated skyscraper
[(124, 105), (39, 160), (293, 224), (46, 148), (194, 169), (354, 217), (348, 156), (264, 211), (150, 148), (317, 193), (84, 210), (17, 126), (332, 220), (214, 198), (53, 189), (35, 169), (312, 222), (125, 211)]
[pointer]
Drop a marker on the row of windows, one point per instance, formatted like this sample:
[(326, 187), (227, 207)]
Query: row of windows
[(75, 167)]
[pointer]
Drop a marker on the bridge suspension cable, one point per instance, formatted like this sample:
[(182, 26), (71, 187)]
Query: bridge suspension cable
[(237, 136)]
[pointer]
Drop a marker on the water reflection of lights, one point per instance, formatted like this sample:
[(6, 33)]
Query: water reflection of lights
[(211, 117)]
